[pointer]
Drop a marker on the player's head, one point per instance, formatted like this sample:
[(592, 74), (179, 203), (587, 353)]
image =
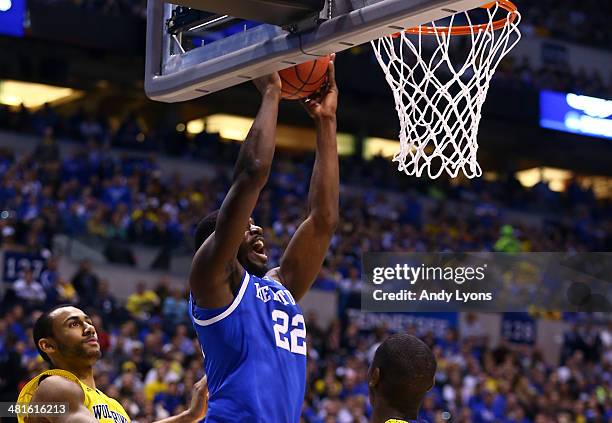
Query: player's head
[(252, 252), (65, 337), (401, 373)]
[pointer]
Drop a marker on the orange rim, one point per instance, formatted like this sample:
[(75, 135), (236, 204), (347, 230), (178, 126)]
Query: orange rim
[(469, 29)]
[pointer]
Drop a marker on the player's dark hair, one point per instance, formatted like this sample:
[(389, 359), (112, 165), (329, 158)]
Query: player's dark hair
[(407, 368), (43, 328), (205, 228)]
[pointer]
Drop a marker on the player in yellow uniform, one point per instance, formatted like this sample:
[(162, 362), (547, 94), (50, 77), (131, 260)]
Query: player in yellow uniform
[(401, 373), (67, 340)]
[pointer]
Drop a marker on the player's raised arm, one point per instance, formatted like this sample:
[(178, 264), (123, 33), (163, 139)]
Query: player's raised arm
[(306, 251), (213, 263), (57, 389)]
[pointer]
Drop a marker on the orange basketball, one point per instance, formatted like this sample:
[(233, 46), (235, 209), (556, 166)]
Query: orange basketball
[(300, 81)]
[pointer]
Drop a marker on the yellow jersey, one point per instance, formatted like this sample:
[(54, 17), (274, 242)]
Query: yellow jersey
[(104, 408)]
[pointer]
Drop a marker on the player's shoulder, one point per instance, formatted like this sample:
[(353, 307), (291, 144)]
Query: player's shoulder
[(52, 386), (56, 388), (273, 276), (51, 382)]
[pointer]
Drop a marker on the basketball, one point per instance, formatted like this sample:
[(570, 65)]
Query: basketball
[(301, 81)]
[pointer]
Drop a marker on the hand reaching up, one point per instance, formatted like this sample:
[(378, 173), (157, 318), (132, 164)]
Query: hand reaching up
[(324, 105)]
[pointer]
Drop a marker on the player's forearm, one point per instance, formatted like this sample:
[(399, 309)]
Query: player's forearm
[(184, 417), (324, 184), (257, 151)]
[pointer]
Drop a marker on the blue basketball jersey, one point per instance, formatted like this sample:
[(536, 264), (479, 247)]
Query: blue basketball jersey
[(254, 354)]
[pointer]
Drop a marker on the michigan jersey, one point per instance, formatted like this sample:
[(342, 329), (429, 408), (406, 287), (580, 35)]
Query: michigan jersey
[(104, 408), (254, 354)]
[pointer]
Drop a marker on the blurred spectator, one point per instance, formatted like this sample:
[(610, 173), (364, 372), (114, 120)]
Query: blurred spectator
[(15, 321), (176, 308), (28, 290), (473, 331), (163, 290), (181, 342), (66, 292), (142, 302), (49, 279), (170, 399), (158, 378), (102, 334), (86, 283), (507, 242), (47, 151), (106, 303)]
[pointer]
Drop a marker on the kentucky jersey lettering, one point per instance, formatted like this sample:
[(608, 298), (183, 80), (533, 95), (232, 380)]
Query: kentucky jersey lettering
[(254, 354), (265, 294)]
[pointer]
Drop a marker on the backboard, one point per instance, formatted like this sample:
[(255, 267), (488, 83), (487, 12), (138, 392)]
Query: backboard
[(196, 50)]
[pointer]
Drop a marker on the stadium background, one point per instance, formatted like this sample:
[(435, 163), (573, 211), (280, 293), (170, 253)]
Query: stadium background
[(100, 190)]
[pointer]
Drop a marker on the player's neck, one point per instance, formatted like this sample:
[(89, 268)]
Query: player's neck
[(85, 374)]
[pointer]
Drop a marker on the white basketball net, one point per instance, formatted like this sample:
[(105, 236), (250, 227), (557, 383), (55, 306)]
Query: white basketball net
[(439, 103)]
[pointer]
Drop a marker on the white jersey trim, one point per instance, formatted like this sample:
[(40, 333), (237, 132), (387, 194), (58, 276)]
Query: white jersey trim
[(231, 308)]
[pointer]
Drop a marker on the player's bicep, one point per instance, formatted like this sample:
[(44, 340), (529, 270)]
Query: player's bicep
[(57, 389), (303, 258), (233, 218), (213, 262), (208, 281)]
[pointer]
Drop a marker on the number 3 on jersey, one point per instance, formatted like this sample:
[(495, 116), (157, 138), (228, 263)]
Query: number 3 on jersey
[(296, 341)]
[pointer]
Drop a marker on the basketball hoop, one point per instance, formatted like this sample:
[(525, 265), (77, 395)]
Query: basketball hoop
[(439, 105)]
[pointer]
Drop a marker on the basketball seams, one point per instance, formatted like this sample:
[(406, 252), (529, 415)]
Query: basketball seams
[(291, 94), (289, 83), (322, 77), (310, 72)]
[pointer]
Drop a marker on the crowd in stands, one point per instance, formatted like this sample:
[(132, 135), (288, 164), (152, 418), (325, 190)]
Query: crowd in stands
[(151, 358), (515, 73), (584, 22), (92, 193)]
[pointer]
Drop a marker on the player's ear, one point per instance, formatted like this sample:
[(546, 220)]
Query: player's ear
[(47, 345)]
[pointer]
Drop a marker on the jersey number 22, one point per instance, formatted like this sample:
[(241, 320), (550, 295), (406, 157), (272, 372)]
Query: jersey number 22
[(296, 340)]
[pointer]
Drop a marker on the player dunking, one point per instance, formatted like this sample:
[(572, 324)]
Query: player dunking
[(401, 373), (66, 339), (247, 319)]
